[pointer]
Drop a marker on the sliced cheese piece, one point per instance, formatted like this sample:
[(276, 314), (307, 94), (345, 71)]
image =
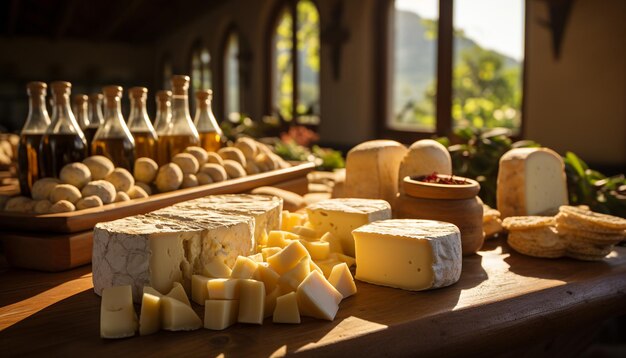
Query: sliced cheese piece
[(317, 297), (341, 216), (150, 318), (531, 181), (291, 279), (372, 170), (341, 279), (288, 257), (216, 269), (220, 314), (117, 314), (424, 157), (177, 316), (334, 244), (267, 275), (286, 310), (223, 289), (251, 302), (244, 268), (199, 289), (178, 292), (318, 250), (269, 251), (409, 254)]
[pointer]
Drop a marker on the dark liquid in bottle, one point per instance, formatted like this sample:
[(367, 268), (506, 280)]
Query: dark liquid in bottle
[(145, 144), (89, 133), (28, 161), (121, 151), (170, 145), (210, 141), (58, 150)]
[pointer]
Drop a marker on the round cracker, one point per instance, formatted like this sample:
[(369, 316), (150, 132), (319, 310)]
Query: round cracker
[(523, 248), (579, 245), (571, 222), (590, 236), (603, 220), (514, 223)]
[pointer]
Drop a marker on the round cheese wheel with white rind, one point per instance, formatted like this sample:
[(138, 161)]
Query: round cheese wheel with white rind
[(424, 157)]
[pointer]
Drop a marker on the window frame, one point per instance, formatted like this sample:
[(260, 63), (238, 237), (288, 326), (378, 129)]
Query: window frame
[(383, 58), (223, 86)]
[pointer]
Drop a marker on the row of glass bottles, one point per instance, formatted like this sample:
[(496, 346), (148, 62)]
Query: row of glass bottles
[(46, 145)]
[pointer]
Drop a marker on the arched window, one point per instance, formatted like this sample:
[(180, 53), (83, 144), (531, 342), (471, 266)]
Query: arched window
[(200, 68), (232, 90), (295, 62)]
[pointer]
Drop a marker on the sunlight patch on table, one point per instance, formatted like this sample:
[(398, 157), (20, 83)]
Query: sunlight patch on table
[(348, 328)]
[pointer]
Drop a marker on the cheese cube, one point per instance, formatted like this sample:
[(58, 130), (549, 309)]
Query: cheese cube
[(178, 292), (117, 314), (350, 261), (251, 302), (317, 297), (423, 158), (305, 233), (152, 291), (291, 279), (314, 267), (334, 244), (409, 254), (216, 269), (270, 302), (341, 216), (199, 289), (223, 289), (268, 276), (341, 279), (263, 240), (280, 238), (244, 268), (150, 319), (326, 266), (220, 314), (531, 181), (286, 310), (258, 257), (290, 220), (269, 251), (318, 250), (372, 170), (287, 258), (177, 316)]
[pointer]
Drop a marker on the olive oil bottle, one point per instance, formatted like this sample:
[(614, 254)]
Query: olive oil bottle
[(30, 138), (140, 126), (113, 139), (209, 131), (96, 119), (164, 112)]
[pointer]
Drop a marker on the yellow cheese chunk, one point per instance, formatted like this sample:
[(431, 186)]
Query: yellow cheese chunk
[(318, 250), (220, 314), (314, 267), (178, 292), (305, 233), (117, 314), (199, 289), (288, 257), (268, 276), (270, 302), (341, 279), (177, 316), (349, 260), (280, 238), (269, 251), (244, 268), (150, 318), (327, 265), (291, 279), (286, 310), (318, 298), (251, 301), (263, 239), (152, 291), (290, 220), (258, 257), (223, 289), (334, 244), (216, 269)]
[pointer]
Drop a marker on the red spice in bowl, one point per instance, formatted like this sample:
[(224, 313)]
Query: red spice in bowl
[(440, 179)]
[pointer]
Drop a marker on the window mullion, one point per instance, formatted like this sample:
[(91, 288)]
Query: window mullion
[(294, 56), (444, 67)]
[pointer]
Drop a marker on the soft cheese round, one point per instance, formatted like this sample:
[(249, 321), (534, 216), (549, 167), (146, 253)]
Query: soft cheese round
[(351, 205)]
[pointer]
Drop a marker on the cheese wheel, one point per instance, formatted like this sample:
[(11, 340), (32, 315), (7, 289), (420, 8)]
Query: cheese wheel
[(423, 158), (531, 181), (372, 170)]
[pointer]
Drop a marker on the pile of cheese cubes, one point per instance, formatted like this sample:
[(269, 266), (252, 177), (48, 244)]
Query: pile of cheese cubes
[(295, 273)]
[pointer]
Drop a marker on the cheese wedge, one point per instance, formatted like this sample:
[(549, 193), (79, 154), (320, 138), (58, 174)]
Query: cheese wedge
[(266, 275), (150, 318), (244, 268), (317, 297), (341, 279), (220, 314), (251, 302), (117, 314), (409, 254), (177, 316), (318, 250), (286, 310), (178, 292), (291, 279), (288, 257)]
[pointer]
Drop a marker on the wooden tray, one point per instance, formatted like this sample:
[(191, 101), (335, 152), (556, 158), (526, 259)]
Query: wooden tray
[(82, 220)]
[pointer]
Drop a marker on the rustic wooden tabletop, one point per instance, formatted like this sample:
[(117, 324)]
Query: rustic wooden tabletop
[(503, 303)]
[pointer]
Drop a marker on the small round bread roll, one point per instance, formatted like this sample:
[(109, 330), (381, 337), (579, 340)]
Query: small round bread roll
[(147, 188), (42, 188), (65, 192), (136, 192), (251, 168), (91, 201), (76, 174), (145, 170), (215, 159), (169, 178), (62, 206), (101, 188), (248, 147), (19, 204), (99, 166), (121, 179), (201, 155), (121, 196), (187, 163), (189, 181), (264, 162), (204, 178), (215, 171), (234, 169), (42, 206), (232, 153)]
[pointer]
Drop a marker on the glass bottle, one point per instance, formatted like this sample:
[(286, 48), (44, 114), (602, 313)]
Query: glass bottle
[(80, 111), (164, 112), (113, 139), (96, 119), (181, 133), (140, 126), (209, 131), (64, 141), (30, 138)]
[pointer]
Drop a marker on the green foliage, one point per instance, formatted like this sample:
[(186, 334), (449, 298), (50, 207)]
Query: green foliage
[(330, 159), (324, 158)]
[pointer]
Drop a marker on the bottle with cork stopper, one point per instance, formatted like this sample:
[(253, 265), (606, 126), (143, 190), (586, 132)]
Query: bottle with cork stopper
[(181, 133), (140, 126), (164, 112), (96, 119), (30, 138), (81, 112), (113, 139), (64, 141), (209, 131)]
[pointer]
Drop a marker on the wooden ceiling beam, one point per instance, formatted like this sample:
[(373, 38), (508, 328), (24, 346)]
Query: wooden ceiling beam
[(66, 19), (120, 19)]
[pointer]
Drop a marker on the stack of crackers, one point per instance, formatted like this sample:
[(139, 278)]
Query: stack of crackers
[(492, 224), (576, 232)]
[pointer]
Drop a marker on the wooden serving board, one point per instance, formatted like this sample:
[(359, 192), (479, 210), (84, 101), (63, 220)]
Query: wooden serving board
[(82, 220)]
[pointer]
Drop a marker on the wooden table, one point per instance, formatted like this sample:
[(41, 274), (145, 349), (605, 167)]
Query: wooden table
[(504, 303)]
